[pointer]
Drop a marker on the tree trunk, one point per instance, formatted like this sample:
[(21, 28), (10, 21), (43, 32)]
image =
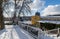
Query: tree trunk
[(1, 16)]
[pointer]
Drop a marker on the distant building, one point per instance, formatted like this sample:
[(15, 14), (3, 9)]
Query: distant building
[(52, 17), (50, 22), (25, 18), (55, 15)]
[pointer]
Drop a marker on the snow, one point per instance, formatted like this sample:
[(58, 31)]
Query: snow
[(7, 21), (42, 21), (14, 32), (26, 22), (46, 21)]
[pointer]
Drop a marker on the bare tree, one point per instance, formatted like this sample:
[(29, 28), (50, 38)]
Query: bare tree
[(22, 6), (1, 16)]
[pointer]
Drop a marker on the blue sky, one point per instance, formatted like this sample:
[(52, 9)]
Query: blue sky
[(51, 2), (51, 7), (47, 7)]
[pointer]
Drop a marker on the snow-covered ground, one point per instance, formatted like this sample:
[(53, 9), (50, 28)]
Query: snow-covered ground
[(14, 32)]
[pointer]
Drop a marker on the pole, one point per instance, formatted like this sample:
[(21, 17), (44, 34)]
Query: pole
[(39, 31), (14, 18), (58, 30)]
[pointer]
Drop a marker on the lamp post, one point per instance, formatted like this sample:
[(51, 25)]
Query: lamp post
[(14, 18)]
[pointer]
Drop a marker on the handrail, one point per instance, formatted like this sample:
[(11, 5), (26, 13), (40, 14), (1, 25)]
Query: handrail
[(53, 30), (37, 29), (40, 31), (30, 26)]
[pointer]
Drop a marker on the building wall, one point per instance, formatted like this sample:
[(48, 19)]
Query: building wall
[(53, 18)]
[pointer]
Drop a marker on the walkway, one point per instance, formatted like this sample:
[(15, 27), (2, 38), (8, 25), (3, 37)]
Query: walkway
[(15, 32)]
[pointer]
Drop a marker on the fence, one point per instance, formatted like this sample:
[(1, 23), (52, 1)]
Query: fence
[(38, 33)]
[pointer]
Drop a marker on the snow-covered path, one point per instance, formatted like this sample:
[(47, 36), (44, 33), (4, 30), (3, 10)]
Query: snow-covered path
[(15, 32)]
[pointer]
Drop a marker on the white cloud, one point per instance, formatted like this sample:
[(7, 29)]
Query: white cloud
[(37, 4), (51, 10)]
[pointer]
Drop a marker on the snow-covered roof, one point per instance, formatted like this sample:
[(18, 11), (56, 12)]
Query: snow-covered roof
[(26, 22), (46, 21), (42, 21)]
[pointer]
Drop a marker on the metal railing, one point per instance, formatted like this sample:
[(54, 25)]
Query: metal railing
[(39, 31), (54, 31), (32, 30)]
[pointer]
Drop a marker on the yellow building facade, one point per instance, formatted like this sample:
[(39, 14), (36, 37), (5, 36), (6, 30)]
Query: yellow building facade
[(34, 20)]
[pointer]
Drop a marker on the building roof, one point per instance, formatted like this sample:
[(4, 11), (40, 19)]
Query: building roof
[(48, 21)]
